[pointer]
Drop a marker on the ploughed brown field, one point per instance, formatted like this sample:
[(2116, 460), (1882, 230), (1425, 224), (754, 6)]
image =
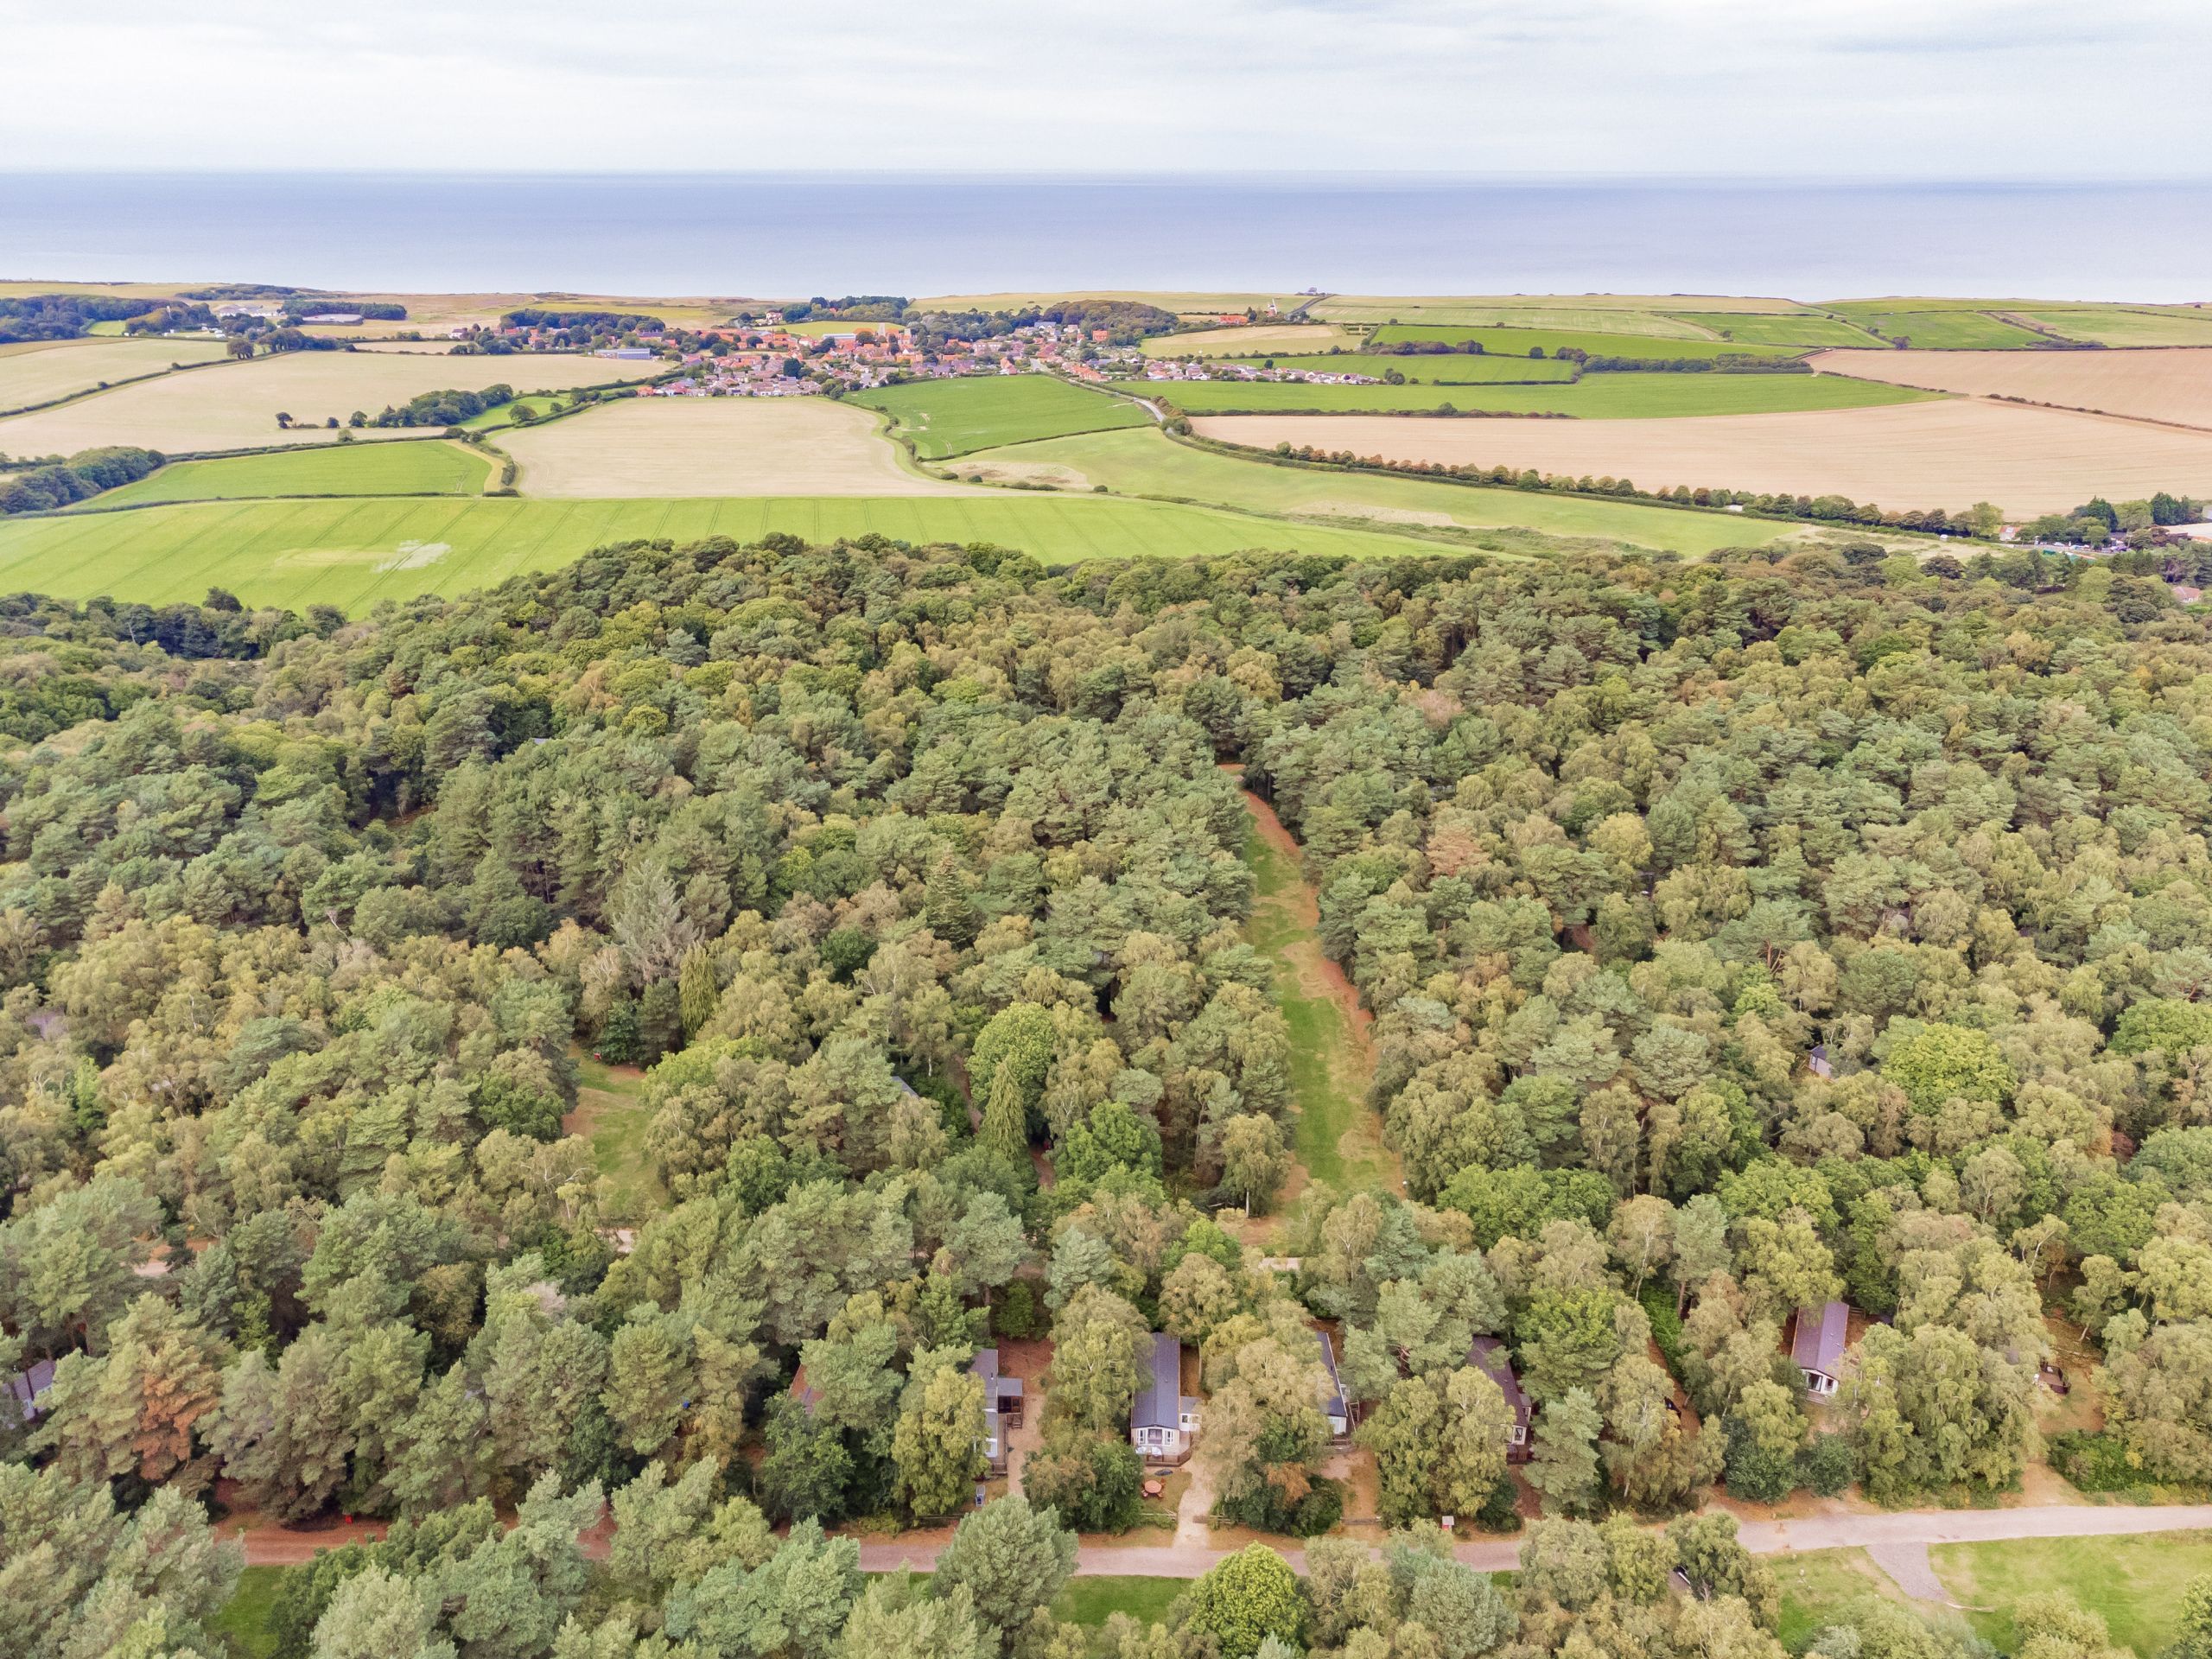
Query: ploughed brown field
[(1948, 454), (2170, 383)]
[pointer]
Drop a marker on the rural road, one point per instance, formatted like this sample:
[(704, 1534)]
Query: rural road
[(1901, 1533), (1911, 1527)]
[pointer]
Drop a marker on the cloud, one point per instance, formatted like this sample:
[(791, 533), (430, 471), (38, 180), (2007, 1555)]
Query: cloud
[(1890, 88)]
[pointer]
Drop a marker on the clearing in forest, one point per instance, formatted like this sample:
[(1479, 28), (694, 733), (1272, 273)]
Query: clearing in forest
[(611, 1114), (713, 446), (1948, 454), (1339, 1138)]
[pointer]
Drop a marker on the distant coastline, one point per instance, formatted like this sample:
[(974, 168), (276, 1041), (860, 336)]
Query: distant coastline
[(778, 234)]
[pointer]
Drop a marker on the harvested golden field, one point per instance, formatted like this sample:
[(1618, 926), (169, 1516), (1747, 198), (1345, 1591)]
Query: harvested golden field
[(715, 445), (39, 370), (2162, 384), (1948, 454), (234, 406), (1253, 340)]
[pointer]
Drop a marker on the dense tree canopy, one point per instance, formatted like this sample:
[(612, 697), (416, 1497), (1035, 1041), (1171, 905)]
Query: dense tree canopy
[(910, 879)]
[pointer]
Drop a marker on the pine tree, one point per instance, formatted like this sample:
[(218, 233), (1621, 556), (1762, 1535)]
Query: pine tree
[(1565, 1466)]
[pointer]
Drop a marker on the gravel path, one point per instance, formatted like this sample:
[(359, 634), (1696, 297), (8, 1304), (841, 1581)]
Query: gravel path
[(1889, 1538), (1908, 1564)]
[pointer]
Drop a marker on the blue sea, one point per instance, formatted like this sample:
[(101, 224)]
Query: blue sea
[(776, 235)]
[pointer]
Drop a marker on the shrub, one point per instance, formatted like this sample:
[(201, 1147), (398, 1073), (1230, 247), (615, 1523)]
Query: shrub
[(1242, 1601), (1828, 1464)]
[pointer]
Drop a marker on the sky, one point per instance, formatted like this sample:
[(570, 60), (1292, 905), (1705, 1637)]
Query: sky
[(1967, 90)]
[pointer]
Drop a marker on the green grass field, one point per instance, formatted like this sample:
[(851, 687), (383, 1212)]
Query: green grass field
[(1819, 1585), (1593, 397), (1766, 328), (611, 1111), (1457, 368), (353, 551), (496, 420), (952, 417), (1934, 330), (2118, 326), (244, 1620), (1092, 1600), (429, 467), (2134, 1583), (1627, 314), (1149, 462), (1520, 342)]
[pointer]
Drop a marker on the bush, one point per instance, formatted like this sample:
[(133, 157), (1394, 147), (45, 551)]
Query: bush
[(1268, 1510), (1501, 1510), (2099, 1462), (1828, 1464), (1242, 1601), (1753, 1473), (1096, 1486)]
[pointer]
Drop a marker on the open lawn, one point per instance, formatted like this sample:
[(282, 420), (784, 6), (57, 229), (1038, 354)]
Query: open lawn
[(2110, 324), (39, 370), (1091, 1600), (1593, 397), (243, 1621), (1151, 463), (1456, 369), (1944, 329), (1253, 340), (713, 446), (950, 417), (1794, 328), (1523, 342), (1948, 454), (2161, 383), (429, 467), (1820, 1585), (353, 551), (234, 406), (2134, 1583)]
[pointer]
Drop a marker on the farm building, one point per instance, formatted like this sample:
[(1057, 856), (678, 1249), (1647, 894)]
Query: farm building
[(1002, 1403), (1335, 1407), (1163, 1420), (1489, 1354), (1817, 1348)]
